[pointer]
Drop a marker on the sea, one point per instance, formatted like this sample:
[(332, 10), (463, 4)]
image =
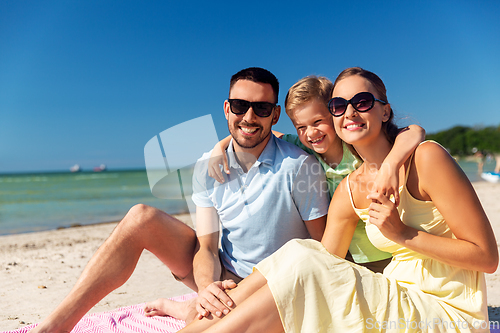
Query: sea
[(46, 201)]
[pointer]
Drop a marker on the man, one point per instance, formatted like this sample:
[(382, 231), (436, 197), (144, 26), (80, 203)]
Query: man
[(277, 193)]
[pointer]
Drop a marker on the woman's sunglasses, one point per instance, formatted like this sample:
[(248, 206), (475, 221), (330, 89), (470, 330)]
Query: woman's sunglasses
[(261, 109), (361, 102)]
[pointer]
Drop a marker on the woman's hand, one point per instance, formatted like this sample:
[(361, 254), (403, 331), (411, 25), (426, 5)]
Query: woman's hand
[(384, 214), (217, 158)]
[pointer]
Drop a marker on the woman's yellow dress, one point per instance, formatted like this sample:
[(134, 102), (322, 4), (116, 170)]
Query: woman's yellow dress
[(316, 291)]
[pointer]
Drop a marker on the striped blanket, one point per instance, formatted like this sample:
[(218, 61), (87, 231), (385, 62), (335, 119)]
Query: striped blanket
[(131, 319), (128, 319)]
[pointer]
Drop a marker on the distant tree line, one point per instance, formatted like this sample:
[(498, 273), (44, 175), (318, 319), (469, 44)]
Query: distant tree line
[(463, 140)]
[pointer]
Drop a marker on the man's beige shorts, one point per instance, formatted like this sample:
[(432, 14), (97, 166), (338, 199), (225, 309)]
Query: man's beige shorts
[(224, 275)]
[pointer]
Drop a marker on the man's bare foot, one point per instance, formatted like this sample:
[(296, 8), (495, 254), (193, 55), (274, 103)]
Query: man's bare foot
[(45, 327), (166, 307)]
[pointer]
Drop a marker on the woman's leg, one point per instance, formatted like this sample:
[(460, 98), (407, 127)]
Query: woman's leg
[(255, 310), (258, 313)]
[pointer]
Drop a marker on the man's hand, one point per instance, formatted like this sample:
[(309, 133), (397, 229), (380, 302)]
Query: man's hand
[(213, 299)]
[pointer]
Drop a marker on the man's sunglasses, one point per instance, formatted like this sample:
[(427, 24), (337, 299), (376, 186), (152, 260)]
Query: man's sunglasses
[(361, 102), (261, 109)]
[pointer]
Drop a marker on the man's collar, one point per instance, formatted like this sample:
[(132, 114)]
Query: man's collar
[(266, 157), (269, 153), (231, 159)]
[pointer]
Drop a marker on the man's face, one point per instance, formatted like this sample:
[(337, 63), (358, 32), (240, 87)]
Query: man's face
[(250, 131)]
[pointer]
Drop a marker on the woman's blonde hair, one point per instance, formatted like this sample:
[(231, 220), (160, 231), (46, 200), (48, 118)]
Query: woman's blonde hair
[(308, 89)]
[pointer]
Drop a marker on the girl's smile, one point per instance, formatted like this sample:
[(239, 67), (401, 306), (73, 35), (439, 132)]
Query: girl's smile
[(314, 126)]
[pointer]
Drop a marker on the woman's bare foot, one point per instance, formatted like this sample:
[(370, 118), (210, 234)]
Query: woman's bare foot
[(166, 307)]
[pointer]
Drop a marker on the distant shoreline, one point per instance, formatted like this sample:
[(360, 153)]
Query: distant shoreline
[(47, 201), (459, 158), (78, 225), (52, 172)]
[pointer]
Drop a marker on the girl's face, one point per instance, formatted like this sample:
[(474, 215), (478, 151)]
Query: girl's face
[(355, 127), (314, 126)]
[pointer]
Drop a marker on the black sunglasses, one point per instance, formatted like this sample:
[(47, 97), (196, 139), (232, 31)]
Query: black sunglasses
[(361, 102), (261, 109)]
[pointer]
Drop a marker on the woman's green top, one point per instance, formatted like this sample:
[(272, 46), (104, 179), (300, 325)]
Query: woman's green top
[(361, 249)]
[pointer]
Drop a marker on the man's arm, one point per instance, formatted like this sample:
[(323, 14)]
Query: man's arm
[(206, 266), (311, 196), (316, 227)]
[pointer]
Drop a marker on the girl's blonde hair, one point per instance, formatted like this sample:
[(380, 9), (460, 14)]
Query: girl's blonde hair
[(308, 89)]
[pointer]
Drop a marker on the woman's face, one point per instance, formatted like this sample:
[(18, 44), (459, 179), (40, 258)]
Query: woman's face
[(357, 127)]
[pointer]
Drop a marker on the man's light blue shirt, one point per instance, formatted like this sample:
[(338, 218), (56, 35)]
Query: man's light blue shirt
[(264, 208)]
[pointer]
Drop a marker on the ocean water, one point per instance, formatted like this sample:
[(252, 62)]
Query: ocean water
[(44, 201), (470, 169)]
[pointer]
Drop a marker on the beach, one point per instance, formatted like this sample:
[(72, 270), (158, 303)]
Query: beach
[(38, 269)]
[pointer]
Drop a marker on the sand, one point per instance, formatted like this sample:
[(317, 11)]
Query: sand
[(38, 269)]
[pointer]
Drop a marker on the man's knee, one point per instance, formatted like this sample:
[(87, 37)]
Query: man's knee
[(141, 217), (141, 210), (144, 218)]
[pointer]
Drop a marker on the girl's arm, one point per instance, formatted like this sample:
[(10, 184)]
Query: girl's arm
[(217, 158), (435, 176), (277, 134), (341, 222), (387, 180)]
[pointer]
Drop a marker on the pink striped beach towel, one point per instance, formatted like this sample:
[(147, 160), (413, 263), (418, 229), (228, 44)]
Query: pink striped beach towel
[(128, 319), (131, 319)]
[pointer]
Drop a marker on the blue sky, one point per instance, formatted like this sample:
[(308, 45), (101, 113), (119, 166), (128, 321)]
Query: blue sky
[(90, 82)]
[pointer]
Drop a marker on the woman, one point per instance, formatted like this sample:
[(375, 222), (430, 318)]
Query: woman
[(440, 238)]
